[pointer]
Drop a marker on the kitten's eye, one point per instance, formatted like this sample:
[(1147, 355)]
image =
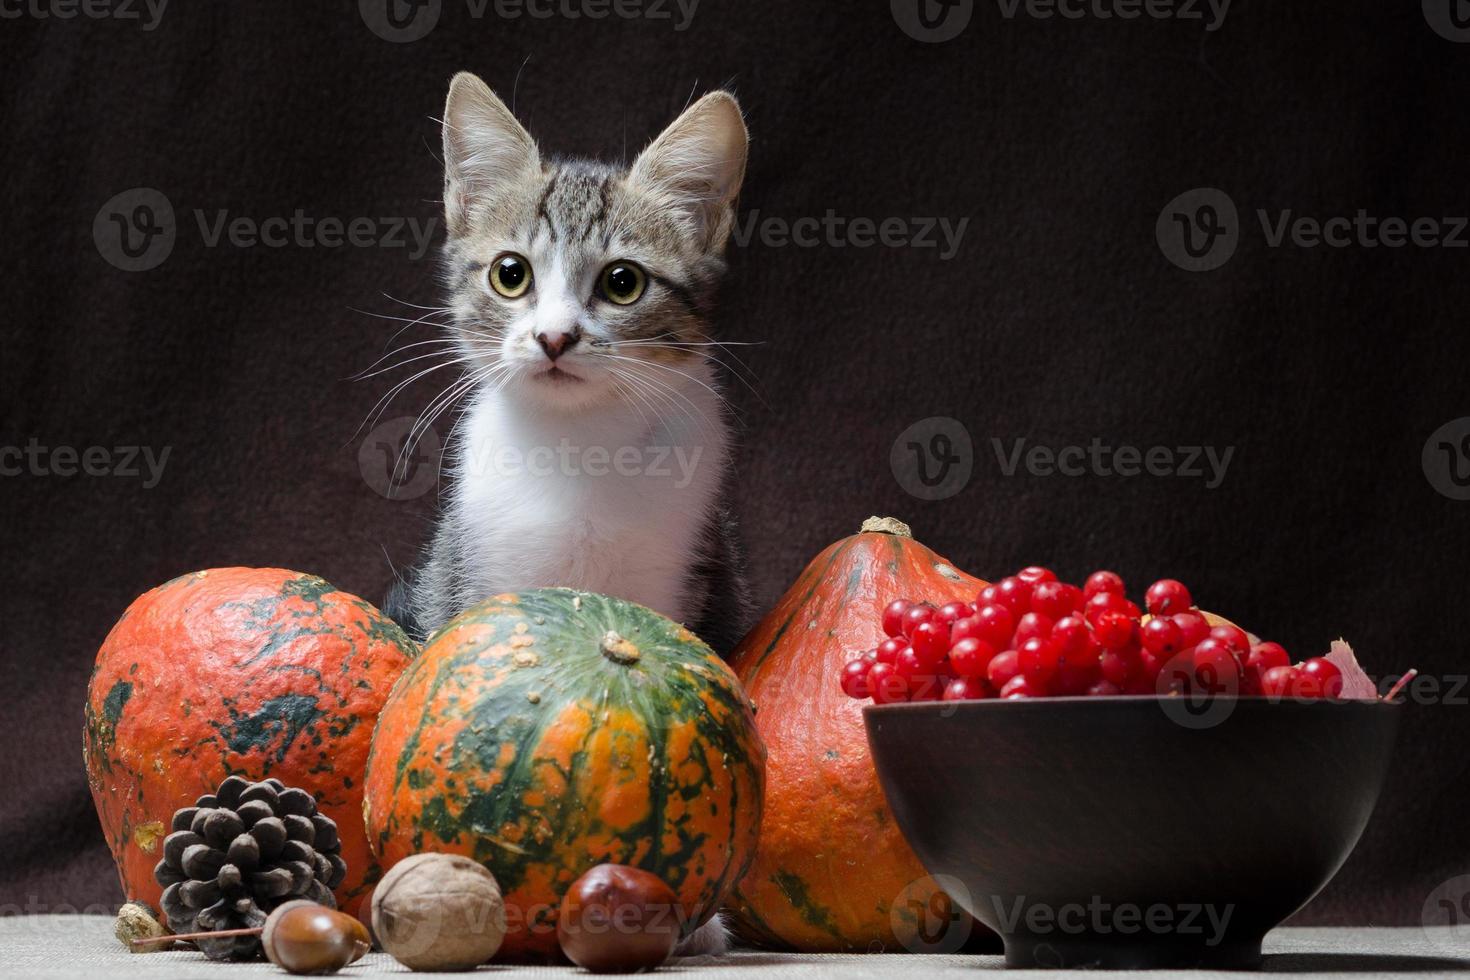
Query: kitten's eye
[(510, 275), (623, 282)]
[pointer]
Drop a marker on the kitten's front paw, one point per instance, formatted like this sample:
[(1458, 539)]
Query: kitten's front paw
[(710, 939)]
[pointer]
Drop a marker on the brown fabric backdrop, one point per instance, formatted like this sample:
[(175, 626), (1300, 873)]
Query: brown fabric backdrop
[(1058, 320)]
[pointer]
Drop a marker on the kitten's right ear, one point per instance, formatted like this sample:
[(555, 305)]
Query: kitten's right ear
[(484, 147)]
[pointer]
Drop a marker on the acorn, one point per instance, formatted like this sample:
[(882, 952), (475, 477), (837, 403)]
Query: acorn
[(618, 919), (304, 937)]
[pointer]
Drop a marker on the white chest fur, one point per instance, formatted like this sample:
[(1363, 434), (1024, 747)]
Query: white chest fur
[(612, 502)]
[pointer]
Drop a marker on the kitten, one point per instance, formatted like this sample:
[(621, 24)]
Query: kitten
[(580, 295), (594, 448)]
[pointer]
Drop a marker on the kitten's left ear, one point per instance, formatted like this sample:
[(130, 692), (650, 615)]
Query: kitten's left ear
[(485, 148), (697, 165)]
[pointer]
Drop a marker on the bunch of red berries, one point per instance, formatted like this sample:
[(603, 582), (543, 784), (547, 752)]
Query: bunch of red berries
[(1030, 635)]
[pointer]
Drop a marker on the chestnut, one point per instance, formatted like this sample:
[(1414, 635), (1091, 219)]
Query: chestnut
[(304, 937), (618, 919)]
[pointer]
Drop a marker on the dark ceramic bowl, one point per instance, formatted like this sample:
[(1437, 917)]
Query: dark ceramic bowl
[(1120, 833)]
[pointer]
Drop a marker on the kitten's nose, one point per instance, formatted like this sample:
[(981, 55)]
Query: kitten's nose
[(557, 342)]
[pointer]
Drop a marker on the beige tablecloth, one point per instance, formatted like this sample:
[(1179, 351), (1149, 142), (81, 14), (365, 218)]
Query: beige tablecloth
[(82, 946)]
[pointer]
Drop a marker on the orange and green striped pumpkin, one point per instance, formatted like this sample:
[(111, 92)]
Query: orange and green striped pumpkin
[(257, 672), (550, 731), (833, 872)]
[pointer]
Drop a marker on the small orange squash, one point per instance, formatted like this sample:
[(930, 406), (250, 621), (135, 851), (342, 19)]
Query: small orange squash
[(257, 672), (832, 872)]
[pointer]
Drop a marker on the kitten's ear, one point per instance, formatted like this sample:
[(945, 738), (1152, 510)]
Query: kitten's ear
[(697, 165), (484, 147)]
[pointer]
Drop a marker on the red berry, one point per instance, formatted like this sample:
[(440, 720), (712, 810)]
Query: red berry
[(965, 689), (1321, 678), (889, 649), (893, 616), (970, 657), (1039, 662), (1114, 630), (988, 596), (1019, 687), (855, 678), (1035, 574), (950, 612), (918, 614), (1113, 668), (1102, 582), (1105, 602), (1166, 597), (1055, 599), (1104, 689), (1014, 594), (1002, 667), (886, 685), (1174, 675), (964, 629), (1192, 628), (1262, 657), (1281, 682), (1215, 668), (1032, 625), (995, 625), (1233, 637), (1070, 634), (1078, 671), (930, 641), (930, 687), (1162, 637)]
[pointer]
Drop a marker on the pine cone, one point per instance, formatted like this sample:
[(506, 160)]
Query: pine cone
[(237, 854)]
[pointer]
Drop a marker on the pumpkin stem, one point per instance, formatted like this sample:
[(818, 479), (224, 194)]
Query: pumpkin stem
[(887, 525), (619, 650)]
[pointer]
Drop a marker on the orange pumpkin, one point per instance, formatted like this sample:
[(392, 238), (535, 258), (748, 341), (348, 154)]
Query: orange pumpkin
[(259, 672), (832, 872)]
